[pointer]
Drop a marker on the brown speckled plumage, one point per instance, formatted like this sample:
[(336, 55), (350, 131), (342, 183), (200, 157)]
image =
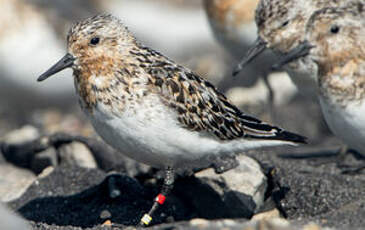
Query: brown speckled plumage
[(282, 23), (152, 109), (231, 12), (336, 37), (134, 71), (340, 56)]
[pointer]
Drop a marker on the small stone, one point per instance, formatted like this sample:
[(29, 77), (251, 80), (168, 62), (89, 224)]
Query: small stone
[(229, 222), (44, 159), (201, 223), (107, 223), (46, 172), (245, 183), (105, 214), (78, 154), (25, 134), (267, 215), (14, 182), (277, 222), (311, 226)]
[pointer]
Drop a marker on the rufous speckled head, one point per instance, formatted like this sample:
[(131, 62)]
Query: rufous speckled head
[(279, 20), (333, 37), (281, 24), (337, 35), (232, 13), (94, 45), (335, 42)]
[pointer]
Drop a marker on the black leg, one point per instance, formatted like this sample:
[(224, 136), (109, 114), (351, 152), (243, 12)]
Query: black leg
[(354, 170), (338, 158), (271, 98), (167, 186)]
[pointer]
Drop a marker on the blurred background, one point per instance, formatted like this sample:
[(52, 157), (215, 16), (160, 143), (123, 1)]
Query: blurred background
[(208, 36)]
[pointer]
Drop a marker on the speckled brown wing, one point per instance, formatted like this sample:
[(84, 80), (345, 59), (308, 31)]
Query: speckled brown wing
[(201, 107)]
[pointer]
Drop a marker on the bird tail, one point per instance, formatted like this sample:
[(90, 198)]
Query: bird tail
[(291, 137)]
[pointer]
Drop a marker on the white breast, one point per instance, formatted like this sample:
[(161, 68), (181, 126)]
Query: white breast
[(304, 74), (150, 133), (346, 122)]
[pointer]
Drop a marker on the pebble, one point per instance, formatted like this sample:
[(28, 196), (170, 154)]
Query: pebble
[(14, 182)]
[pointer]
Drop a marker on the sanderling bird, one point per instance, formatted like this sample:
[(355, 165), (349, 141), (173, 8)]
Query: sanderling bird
[(335, 43), (281, 27), (233, 25), (152, 109)]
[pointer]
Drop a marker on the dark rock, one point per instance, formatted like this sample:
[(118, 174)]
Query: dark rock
[(44, 159), (241, 189), (310, 190), (76, 196)]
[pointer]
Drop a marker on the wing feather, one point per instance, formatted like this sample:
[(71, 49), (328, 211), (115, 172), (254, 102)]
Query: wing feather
[(201, 107)]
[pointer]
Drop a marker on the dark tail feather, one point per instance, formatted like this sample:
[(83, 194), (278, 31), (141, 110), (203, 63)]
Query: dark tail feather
[(288, 136), (281, 135)]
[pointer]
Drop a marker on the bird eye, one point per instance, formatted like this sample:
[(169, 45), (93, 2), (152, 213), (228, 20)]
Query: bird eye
[(285, 23), (94, 41), (335, 29)]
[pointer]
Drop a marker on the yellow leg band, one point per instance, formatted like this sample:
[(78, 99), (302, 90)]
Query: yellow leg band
[(146, 219)]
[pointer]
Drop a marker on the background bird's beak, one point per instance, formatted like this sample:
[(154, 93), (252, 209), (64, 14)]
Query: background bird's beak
[(301, 50), (256, 49), (65, 62)]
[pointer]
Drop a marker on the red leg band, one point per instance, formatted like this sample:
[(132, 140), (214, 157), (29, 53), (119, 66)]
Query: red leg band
[(160, 199)]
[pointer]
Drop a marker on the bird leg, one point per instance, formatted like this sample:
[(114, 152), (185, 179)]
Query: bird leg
[(167, 186), (338, 157), (271, 98)]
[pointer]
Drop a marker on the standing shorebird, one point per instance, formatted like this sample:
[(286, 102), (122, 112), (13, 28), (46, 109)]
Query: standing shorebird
[(335, 43), (152, 109), (233, 25), (281, 27)]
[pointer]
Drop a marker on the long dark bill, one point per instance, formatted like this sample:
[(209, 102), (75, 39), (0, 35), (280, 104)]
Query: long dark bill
[(301, 50), (65, 62), (256, 49)]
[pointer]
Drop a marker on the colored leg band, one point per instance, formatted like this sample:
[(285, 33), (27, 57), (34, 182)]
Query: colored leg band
[(146, 219), (160, 199)]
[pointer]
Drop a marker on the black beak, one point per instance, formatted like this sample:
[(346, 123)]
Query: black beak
[(301, 50), (66, 62), (256, 49)]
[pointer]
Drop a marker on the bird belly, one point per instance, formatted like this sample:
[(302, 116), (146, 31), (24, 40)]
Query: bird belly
[(150, 133), (303, 73), (347, 122)]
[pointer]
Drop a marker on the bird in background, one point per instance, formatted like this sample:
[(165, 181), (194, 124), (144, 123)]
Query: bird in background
[(334, 42), (233, 25), (281, 27), (153, 110)]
